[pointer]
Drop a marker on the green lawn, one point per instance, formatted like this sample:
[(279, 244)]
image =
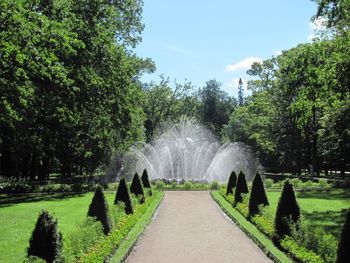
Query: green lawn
[(326, 209), (19, 213)]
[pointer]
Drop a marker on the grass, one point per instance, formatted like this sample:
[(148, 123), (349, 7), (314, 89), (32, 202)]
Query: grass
[(126, 246), (264, 242), (325, 209), (18, 214)]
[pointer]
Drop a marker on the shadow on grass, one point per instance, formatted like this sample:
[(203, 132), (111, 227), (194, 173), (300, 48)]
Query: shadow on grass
[(13, 199), (331, 221), (328, 195)]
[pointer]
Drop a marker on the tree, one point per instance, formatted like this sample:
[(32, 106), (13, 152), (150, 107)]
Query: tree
[(215, 105), (123, 195), (163, 103), (69, 85), (343, 255), (145, 181), (287, 212), (257, 195), (136, 187), (241, 187), (99, 209), (46, 241), (240, 93), (232, 180)]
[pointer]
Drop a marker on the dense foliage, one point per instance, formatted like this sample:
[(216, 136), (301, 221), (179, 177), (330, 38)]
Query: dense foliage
[(298, 114), (46, 241), (241, 187), (99, 209), (68, 84), (123, 195), (287, 211), (257, 195), (232, 180), (344, 244)]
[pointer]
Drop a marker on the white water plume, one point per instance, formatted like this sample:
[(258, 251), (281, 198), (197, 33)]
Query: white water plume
[(189, 151)]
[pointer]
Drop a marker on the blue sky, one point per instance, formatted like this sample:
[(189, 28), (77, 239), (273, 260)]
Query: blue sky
[(201, 40)]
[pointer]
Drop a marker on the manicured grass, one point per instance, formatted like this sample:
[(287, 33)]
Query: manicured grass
[(321, 208), (18, 214), (264, 242)]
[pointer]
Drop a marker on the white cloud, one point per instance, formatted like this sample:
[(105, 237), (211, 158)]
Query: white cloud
[(234, 83), (316, 27), (244, 64)]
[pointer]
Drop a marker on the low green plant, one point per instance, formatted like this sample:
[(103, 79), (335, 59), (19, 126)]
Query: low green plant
[(268, 183), (296, 182), (214, 185), (160, 185), (323, 183), (300, 253), (264, 221), (315, 239), (84, 236), (243, 207), (187, 185)]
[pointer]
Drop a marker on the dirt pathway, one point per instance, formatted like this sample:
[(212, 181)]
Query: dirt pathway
[(190, 227)]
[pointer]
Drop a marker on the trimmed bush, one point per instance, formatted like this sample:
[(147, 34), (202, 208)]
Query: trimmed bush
[(241, 187), (257, 195), (99, 209), (123, 195), (46, 241), (287, 212), (214, 185), (145, 181), (343, 254), (136, 188), (232, 180)]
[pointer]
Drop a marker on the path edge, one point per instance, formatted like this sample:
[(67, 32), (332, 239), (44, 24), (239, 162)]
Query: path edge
[(260, 243), (128, 249)]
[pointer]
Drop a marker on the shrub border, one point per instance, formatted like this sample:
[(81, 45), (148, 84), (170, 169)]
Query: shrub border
[(259, 238), (130, 241)]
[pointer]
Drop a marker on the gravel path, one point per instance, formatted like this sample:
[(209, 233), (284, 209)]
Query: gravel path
[(190, 227)]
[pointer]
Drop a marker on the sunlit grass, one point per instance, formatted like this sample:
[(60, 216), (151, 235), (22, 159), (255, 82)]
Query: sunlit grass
[(18, 219)]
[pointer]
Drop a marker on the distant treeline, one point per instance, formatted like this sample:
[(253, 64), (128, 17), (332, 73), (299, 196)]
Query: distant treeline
[(72, 99)]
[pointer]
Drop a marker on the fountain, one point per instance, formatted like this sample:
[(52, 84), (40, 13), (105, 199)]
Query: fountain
[(189, 151)]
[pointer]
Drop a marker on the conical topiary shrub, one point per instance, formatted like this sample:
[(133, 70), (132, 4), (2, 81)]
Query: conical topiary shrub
[(232, 180), (257, 195), (136, 188), (99, 209), (145, 181), (46, 241), (241, 187), (287, 212), (123, 195), (343, 255)]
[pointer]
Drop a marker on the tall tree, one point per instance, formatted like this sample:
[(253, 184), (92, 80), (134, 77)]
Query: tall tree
[(240, 92)]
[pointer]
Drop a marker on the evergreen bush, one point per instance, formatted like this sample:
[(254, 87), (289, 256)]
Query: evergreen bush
[(232, 180), (241, 187), (99, 209), (257, 195), (287, 212), (136, 188), (46, 241), (123, 195), (343, 254), (145, 181)]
